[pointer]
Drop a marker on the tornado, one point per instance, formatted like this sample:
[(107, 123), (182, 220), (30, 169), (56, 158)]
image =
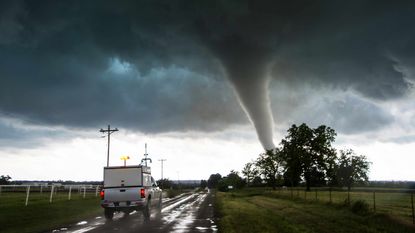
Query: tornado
[(251, 87), (247, 67)]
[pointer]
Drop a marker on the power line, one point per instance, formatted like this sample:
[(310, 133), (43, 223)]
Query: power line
[(109, 131)]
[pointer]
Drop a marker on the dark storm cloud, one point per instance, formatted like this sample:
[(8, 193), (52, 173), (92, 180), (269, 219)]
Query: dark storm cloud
[(18, 134), (346, 112), (349, 115), (59, 72), (57, 59), (353, 50)]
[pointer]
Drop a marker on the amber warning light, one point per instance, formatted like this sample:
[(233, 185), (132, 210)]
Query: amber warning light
[(125, 158)]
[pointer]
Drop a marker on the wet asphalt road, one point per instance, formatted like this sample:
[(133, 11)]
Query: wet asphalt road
[(190, 212)]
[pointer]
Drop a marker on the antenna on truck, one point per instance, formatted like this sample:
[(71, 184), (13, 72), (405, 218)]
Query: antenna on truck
[(145, 156)]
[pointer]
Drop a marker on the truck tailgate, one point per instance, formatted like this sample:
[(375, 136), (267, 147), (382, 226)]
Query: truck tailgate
[(122, 194)]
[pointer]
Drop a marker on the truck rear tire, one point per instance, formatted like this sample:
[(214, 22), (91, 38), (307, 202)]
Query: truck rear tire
[(108, 213), (146, 210)]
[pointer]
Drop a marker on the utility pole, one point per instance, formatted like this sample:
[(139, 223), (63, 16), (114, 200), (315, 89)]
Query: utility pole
[(178, 180), (162, 181), (109, 131), (162, 160)]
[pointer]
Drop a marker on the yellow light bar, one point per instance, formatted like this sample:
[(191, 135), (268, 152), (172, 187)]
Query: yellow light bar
[(125, 158)]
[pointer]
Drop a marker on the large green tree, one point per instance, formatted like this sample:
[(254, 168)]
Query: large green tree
[(351, 168), (233, 179), (249, 172), (308, 154), (270, 166), (213, 180)]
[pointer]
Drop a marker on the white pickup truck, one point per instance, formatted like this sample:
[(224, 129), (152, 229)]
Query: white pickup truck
[(129, 188)]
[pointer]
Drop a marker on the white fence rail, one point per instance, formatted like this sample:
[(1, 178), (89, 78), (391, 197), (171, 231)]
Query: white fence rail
[(40, 192)]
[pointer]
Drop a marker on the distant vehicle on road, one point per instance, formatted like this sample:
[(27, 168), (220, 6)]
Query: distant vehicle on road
[(129, 188)]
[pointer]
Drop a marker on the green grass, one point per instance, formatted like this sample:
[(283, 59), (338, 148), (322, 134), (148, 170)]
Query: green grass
[(258, 211), (393, 203), (40, 215)]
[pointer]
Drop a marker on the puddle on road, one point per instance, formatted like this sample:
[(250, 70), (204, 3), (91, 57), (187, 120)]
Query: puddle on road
[(84, 229), (173, 215), (213, 227), (62, 229), (184, 216), (177, 203), (181, 217)]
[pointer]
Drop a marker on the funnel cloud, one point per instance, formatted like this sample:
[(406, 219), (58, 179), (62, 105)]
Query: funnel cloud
[(248, 70), (254, 98)]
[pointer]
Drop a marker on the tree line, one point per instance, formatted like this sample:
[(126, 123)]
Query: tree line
[(305, 156)]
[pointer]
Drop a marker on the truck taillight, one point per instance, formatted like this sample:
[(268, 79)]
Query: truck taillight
[(142, 193), (101, 194)]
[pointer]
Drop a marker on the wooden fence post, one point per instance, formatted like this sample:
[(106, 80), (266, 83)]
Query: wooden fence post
[(51, 194), (70, 190), (27, 195), (96, 191), (84, 190), (413, 213), (374, 201)]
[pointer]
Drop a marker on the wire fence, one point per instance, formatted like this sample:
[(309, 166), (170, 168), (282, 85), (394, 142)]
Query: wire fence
[(26, 194), (394, 202)]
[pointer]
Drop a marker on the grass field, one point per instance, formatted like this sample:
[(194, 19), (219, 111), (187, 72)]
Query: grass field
[(40, 215), (258, 211), (387, 201)]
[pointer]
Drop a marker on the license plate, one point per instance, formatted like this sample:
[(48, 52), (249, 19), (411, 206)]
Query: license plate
[(122, 204)]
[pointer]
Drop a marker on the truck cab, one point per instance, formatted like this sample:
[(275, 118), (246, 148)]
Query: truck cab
[(129, 188)]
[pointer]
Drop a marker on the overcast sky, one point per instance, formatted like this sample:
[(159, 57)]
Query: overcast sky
[(207, 84)]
